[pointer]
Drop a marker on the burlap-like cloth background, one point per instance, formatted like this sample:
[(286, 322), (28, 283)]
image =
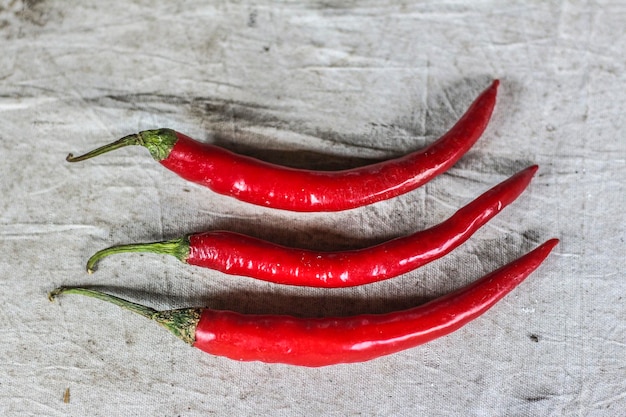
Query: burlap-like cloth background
[(320, 85)]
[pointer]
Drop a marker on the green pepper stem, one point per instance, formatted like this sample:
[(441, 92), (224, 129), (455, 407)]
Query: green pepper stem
[(179, 248), (142, 310), (181, 322), (134, 139), (158, 141)]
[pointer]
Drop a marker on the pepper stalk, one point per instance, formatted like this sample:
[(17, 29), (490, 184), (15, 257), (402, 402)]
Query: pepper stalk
[(159, 143), (179, 248), (181, 322)]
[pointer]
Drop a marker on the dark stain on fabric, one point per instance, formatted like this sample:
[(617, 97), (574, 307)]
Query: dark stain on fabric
[(536, 399)]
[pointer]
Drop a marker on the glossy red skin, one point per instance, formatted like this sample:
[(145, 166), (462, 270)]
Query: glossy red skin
[(237, 254), (326, 341), (279, 187)]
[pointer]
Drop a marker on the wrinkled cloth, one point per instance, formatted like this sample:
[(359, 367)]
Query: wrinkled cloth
[(322, 86)]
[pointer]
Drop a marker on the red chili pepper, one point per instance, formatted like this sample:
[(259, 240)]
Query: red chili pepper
[(332, 340), (270, 185), (238, 254)]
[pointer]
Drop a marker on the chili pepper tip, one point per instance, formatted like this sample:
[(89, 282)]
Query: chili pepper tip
[(552, 243)]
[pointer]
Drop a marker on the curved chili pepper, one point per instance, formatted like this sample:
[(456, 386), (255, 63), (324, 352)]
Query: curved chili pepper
[(270, 185), (238, 254), (332, 340)]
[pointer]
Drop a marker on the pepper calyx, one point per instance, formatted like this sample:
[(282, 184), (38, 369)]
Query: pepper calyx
[(159, 142)]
